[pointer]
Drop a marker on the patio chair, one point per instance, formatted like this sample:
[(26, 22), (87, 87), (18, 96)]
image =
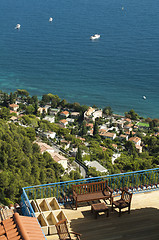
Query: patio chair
[(123, 202), (63, 233)]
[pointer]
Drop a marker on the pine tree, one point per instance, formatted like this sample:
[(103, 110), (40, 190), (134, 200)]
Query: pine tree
[(11, 98), (95, 130), (79, 155)]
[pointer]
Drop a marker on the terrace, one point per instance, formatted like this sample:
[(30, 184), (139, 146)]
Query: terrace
[(142, 223)]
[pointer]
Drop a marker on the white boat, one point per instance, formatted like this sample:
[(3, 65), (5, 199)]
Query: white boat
[(50, 19), (17, 26), (95, 36), (144, 97)]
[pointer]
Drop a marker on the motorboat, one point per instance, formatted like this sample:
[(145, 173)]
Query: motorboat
[(144, 97), (95, 36), (17, 26), (50, 19)]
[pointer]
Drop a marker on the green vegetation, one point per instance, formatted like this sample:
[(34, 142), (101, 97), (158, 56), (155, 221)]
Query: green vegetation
[(141, 124), (132, 115), (22, 164)]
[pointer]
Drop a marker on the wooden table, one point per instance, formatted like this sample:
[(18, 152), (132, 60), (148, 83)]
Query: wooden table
[(99, 207)]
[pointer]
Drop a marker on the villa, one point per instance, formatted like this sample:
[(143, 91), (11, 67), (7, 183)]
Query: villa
[(75, 114), (59, 158), (64, 114), (109, 135), (13, 107), (44, 147), (135, 140), (122, 136), (63, 123), (96, 165)]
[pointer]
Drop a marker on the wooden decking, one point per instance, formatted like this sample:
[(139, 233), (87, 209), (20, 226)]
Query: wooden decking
[(141, 224)]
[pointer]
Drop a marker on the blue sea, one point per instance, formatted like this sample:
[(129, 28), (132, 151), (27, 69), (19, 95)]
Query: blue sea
[(58, 57)]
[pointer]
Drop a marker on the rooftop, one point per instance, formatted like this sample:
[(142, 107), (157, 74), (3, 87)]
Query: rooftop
[(140, 224), (97, 165), (20, 227)]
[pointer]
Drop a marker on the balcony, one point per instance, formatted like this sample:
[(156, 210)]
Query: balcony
[(142, 223)]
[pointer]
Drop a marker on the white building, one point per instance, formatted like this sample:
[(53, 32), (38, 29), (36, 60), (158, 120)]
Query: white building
[(44, 147), (49, 118), (75, 114), (97, 114), (109, 135), (135, 140), (59, 159), (115, 156), (63, 123), (50, 135), (97, 165), (92, 114)]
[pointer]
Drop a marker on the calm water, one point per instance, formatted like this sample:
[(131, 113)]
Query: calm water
[(58, 57)]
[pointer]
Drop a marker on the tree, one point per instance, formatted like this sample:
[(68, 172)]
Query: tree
[(30, 109), (35, 108), (53, 103), (31, 133), (11, 98), (107, 111), (34, 99), (131, 135), (132, 114), (154, 123), (43, 114), (27, 147), (26, 120), (4, 113), (130, 147), (148, 120), (95, 129), (63, 103), (22, 93), (83, 129), (79, 155), (76, 106), (92, 172), (55, 98), (5, 100)]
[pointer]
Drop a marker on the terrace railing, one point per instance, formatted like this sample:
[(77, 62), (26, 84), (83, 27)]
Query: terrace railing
[(136, 182)]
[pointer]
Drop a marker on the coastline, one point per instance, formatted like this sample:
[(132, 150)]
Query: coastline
[(118, 113)]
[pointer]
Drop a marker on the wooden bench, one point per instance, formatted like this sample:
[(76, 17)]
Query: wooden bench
[(91, 191)]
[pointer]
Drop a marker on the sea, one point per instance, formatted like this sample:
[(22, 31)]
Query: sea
[(58, 57)]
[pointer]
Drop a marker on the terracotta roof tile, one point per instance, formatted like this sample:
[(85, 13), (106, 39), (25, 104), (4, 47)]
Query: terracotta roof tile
[(3, 237), (16, 238), (2, 231), (12, 233), (64, 113), (20, 227)]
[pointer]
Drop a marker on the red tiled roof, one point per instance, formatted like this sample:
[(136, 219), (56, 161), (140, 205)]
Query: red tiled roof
[(20, 228), (44, 147), (11, 111), (63, 121), (134, 139), (13, 105), (129, 125), (128, 119), (64, 113)]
